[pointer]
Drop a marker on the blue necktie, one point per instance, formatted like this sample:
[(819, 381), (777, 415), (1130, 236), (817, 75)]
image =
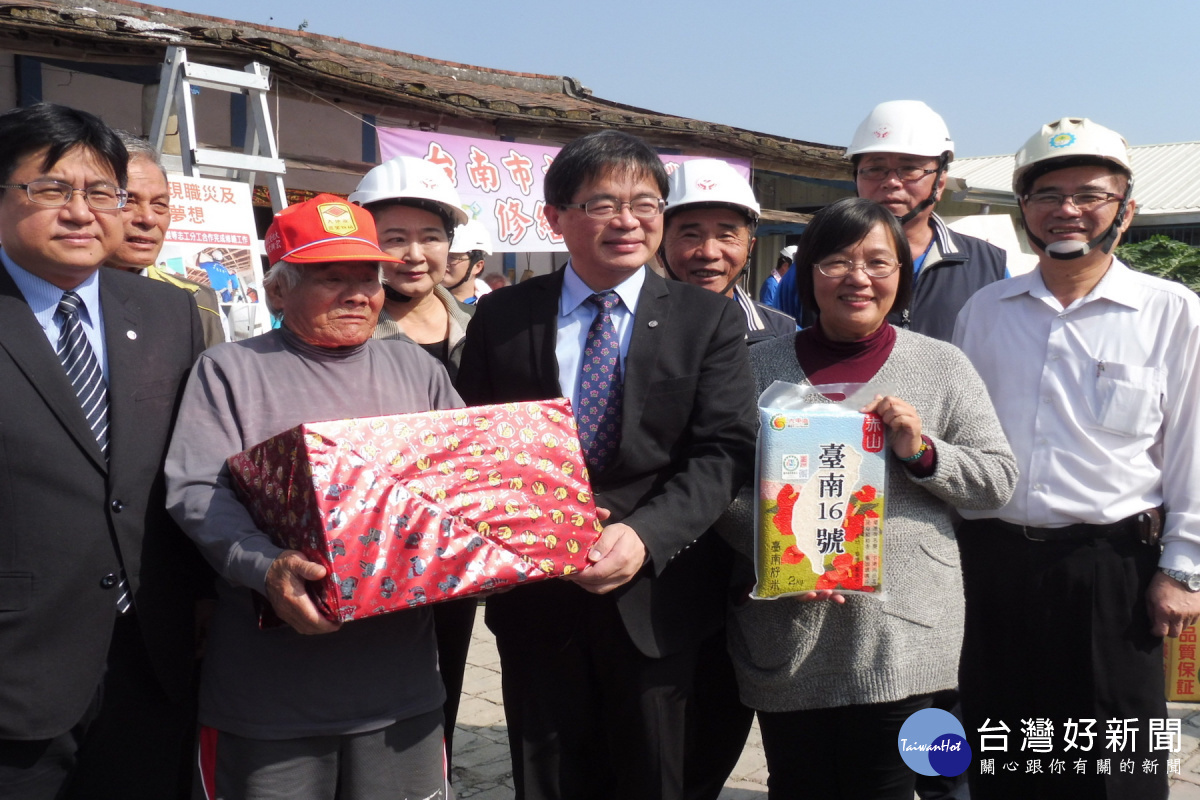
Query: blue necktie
[(600, 386), (83, 370)]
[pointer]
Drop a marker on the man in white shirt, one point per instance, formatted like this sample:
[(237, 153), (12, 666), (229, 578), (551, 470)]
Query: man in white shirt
[(1094, 370)]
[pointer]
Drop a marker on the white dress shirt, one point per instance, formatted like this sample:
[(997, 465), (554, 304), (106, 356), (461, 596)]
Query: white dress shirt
[(575, 317), (1100, 400)]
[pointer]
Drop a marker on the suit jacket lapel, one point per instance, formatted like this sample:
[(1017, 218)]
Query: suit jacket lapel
[(122, 332), (543, 333), (24, 340), (646, 341)]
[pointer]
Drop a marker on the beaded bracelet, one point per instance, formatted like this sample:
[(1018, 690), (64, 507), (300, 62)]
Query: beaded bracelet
[(917, 455)]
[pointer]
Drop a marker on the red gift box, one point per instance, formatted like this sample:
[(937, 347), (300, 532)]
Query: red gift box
[(416, 508)]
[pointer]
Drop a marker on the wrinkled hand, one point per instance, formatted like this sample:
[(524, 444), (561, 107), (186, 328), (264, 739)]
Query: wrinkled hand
[(288, 595), (615, 558), (901, 419), (832, 595), (1171, 606)]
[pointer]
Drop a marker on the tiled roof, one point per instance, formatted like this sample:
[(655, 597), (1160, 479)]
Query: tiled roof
[(1166, 176), (517, 104)]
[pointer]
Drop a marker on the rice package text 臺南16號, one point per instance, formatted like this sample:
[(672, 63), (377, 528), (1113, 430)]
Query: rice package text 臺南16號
[(415, 508), (820, 507)]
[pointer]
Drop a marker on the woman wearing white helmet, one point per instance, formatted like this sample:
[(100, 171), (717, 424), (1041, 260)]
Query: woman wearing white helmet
[(416, 209)]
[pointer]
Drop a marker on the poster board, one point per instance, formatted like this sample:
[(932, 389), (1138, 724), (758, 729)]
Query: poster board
[(213, 241)]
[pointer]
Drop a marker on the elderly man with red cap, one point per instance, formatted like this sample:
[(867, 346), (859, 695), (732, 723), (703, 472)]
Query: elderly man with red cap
[(313, 709)]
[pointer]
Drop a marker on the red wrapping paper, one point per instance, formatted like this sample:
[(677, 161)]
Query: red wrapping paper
[(416, 508)]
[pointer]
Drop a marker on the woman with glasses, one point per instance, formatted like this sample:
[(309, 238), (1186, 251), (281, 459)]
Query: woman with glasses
[(834, 676), (416, 211)]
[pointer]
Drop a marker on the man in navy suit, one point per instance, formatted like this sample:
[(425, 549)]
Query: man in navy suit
[(97, 585), (597, 669)]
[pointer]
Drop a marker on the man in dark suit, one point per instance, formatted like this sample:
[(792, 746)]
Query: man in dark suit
[(597, 669), (96, 581)]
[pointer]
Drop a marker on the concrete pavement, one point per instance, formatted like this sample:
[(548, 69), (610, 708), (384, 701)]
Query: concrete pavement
[(482, 770)]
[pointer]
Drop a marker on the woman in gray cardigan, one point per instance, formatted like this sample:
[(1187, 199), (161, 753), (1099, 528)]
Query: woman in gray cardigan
[(834, 676)]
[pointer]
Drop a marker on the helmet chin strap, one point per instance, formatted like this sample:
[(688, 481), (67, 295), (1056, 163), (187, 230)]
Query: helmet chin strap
[(1070, 249), (931, 199), (466, 277)]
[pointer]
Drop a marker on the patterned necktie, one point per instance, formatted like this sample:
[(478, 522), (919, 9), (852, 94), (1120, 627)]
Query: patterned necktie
[(83, 368), (600, 386)]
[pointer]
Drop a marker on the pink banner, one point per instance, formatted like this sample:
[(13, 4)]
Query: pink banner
[(500, 183)]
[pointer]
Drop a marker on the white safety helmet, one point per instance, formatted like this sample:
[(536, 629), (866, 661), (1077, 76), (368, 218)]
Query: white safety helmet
[(1075, 138), (409, 178), (788, 252), (472, 235), (908, 127), (1073, 142), (710, 181)]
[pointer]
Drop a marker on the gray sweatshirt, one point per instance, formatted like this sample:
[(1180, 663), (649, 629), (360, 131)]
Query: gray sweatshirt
[(278, 684)]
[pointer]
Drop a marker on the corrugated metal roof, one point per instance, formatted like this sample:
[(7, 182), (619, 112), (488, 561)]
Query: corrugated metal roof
[(1167, 176)]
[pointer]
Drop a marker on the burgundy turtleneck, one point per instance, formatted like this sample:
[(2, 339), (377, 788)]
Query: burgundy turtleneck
[(825, 360)]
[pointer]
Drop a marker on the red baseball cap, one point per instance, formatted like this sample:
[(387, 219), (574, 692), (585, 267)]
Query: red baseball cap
[(325, 228)]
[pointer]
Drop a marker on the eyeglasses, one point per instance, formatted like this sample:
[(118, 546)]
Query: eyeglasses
[(454, 258), (841, 267), (47, 192), (1083, 201), (609, 207), (908, 174)]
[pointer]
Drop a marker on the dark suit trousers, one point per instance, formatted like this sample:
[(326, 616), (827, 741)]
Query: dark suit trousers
[(132, 744), (453, 622), (1059, 630), (589, 716)]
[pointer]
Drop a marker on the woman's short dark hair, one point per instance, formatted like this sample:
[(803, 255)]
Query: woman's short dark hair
[(57, 129), (595, 155), (841, 225)]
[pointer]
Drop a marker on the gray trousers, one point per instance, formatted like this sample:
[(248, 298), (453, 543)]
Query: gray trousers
[(404, 761)]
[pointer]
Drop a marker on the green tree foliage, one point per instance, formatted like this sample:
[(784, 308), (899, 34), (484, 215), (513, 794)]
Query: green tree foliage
[(1166, 258)]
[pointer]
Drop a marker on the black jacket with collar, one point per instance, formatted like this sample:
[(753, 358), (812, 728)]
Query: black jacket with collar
[(687, 445)]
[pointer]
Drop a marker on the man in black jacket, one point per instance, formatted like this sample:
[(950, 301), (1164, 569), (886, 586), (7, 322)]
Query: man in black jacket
[(97, 584), (901, 152), (597, 669)]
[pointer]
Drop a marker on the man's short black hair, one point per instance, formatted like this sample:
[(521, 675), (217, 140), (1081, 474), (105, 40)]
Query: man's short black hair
[(58, 129), (841, 225), (597, 154)]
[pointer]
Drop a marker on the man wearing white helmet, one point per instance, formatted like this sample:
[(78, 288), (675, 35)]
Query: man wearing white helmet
[(708, 236), (1094, 370), (768, 293), (416, 209), (471, 243), (900, 154)]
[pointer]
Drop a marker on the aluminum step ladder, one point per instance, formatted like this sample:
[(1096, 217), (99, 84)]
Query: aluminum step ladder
[(261, 152)]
